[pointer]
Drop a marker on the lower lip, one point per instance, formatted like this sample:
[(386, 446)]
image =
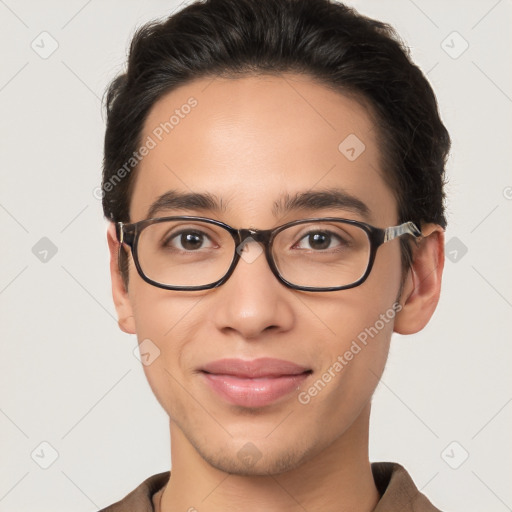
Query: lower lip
[(254, 392)]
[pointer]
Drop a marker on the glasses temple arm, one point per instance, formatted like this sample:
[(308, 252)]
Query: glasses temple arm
[(407, 228)]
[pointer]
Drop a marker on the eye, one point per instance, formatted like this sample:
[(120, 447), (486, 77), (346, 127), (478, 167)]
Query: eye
[(187, 240), (320, 240)]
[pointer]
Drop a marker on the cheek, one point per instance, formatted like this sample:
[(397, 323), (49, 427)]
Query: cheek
[(360, 323), (160, 314), (366, 311), (386, 274), (371, 312), (164, 321), (363, 325), (352, 364)]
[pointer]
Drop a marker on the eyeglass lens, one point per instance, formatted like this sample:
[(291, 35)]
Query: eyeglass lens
[(196, 253)]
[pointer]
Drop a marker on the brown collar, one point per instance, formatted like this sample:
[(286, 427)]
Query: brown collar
[(397, 489)]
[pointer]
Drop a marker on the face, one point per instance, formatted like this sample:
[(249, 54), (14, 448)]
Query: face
[(251, 142)]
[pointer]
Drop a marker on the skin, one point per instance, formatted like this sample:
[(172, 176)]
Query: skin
[(248, 141)]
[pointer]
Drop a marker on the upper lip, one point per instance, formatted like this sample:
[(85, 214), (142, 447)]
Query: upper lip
[(262, 367)]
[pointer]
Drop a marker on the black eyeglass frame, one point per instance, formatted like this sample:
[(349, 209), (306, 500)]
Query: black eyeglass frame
[(129, 234)]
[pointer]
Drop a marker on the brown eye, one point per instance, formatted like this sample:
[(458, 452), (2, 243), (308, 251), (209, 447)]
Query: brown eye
[(321, 240), (186, 240)]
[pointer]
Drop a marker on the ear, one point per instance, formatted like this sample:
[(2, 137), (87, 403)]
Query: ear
[(422, 286), (119, 292)]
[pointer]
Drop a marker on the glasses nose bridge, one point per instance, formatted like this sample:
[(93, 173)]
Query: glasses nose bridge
[(261, 236)]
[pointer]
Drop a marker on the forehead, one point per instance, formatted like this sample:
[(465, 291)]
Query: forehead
[(253, 142)]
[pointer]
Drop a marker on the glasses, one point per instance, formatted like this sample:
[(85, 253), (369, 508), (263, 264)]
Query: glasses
[(197, 253)]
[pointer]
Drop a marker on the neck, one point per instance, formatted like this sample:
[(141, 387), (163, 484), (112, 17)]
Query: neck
[(339, 477)]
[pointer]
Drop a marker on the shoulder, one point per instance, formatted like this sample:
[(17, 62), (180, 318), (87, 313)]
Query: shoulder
[(140, 499), (397, 490)]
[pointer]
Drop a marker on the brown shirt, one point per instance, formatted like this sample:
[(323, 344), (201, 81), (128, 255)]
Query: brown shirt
[(397, 490)]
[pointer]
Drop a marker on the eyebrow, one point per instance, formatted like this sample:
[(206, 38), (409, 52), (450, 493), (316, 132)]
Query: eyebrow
[(308, 200), (320, 200), (173, 200)]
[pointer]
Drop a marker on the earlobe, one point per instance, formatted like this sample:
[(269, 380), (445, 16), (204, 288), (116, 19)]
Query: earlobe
[(119, 292), (422, 286)]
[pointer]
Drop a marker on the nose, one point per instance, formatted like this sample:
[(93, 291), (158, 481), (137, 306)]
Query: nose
[(253, 301)]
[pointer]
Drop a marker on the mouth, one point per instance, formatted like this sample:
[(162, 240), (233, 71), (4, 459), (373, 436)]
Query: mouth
[(254, 383)]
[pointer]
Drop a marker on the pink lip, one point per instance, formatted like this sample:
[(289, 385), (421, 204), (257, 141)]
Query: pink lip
[(254, 383)]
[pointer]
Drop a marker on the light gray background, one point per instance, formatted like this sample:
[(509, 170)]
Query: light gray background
[(68, 375)]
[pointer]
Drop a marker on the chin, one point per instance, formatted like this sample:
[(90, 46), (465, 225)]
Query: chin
[(253, 459)]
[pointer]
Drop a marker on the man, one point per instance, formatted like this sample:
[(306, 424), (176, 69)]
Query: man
[(273, 175)]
